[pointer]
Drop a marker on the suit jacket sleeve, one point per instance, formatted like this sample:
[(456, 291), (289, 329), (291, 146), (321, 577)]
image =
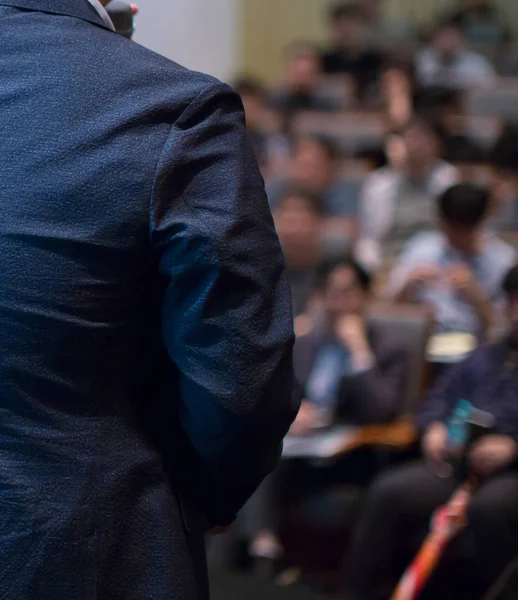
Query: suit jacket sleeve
[(226, 319), (375, 395)]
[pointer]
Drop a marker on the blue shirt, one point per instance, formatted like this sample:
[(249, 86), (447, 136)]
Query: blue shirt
[(453, 312), (331, 364)]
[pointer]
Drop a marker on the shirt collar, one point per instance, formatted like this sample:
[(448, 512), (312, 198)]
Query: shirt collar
[(102, 13)]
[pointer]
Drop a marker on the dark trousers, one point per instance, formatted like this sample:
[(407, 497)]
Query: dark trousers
[(397, 513), (297, 481)]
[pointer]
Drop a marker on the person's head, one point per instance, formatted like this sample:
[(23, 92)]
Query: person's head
[(313, 164), (253, 96), (298, 220), (449, 40), (463, 210), (346, 26), (344, 285), (420, 143), (302, 67), (510, 287)]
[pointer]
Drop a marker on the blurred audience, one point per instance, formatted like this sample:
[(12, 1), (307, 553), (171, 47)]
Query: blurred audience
[(505, 160), (397, 511), (449, 63), (349, 52), (350, 372), (271, 146), (456, 270), (444, 108), (399, 200), (299, 89), (314, 170), (482, 23), (299, 222)]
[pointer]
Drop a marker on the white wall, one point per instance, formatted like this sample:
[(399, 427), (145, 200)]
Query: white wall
[(199, 34)]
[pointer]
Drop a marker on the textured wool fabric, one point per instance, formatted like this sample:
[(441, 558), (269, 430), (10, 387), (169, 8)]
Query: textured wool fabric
[(145, 319)]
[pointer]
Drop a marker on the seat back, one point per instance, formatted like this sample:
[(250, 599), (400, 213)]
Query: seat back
[(412, 327)]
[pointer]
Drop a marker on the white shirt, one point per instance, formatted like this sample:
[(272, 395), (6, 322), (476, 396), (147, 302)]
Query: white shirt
[(468, 70), (102, 13), (378, 207)]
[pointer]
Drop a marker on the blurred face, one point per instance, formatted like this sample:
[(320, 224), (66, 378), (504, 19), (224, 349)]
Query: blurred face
[(298, 226), (346, 32), (420, 145), (343, 294), (302, 72), (312, 169), (513, 315), (449, 42), (254, 110), (463, 239)]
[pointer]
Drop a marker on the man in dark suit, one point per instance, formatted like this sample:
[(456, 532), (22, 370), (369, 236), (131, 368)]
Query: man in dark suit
[(145, 320), (350, 373)]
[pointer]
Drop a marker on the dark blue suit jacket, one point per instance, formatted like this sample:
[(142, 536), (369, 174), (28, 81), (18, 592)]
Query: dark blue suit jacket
[(145, 320)]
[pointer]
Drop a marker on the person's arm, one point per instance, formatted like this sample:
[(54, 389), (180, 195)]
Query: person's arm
[(374, 394), (226, 315)]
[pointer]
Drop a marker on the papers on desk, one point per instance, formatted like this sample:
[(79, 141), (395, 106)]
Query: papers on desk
[(321, 444)]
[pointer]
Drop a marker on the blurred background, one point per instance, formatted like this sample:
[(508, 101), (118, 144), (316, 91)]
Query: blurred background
[(387, 135)]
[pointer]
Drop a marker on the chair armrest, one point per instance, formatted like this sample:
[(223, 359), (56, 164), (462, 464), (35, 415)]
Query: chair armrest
[(398, 435)]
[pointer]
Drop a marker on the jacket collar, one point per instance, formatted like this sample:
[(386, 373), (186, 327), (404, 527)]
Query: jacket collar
[(80, 9)]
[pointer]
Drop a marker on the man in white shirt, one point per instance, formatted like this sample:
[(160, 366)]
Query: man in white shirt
[(399, 200), (448, 63)]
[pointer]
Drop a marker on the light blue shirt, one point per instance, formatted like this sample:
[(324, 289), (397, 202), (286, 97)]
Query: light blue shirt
[(331, 364), (453, 313)]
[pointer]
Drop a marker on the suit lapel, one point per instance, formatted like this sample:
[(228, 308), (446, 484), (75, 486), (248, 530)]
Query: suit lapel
[(80, 9)]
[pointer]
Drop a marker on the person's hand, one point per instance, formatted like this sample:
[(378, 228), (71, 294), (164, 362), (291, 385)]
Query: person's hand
[(492, 453), (463, 280), (134, 9), (423, 274), (351, 331), (306, 419), (434, 444)]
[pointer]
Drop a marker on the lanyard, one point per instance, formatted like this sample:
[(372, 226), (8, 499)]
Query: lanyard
[(102, 13)]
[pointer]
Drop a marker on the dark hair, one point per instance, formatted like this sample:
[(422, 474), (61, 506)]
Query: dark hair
[(300, 49), (416, 121), (249, 87), (510, 283), (312, 201), (448, 24), (464, 205), (505, 152), (328, 145), (343, 10), (328, 266)]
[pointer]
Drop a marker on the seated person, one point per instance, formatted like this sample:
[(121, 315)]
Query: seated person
[(445, 109), (271, 147), (504, 157), (399, 505), (299, 90), (399, 200), (458, 269), (313, 170), (349, 53), (448, 63), (350, 373), (482, 24), (299, 223)]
